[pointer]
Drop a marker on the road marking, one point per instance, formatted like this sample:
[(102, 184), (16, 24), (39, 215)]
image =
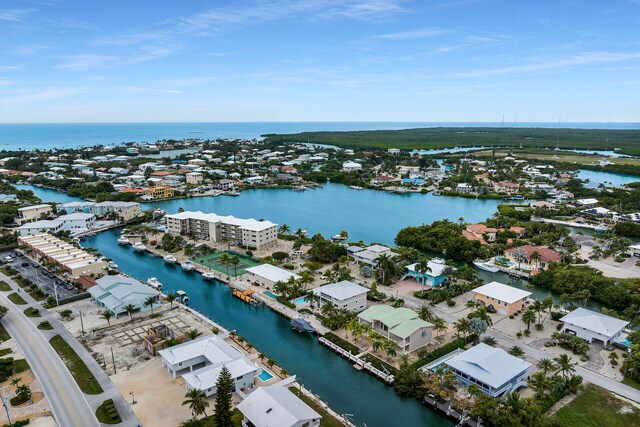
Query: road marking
[(51, 373)]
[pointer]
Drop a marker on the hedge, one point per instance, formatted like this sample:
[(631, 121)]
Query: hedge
[(77, 297), (447, 348), (282, 300), (342, 343)]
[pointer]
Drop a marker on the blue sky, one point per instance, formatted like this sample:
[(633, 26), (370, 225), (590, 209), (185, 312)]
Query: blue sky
[(319, 60)]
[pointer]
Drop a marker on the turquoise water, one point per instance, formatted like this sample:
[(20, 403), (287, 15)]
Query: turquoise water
[(609, 179), (47, 195), (270, 294), (345, 389), (301, 300), (265, 376), (45, 136)]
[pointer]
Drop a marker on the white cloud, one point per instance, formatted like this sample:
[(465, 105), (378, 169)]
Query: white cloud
[(134, 89), (43, 95), (13, 15), (412, 34)]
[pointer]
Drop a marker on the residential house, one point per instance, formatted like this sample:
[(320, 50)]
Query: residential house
[(402, 325), (523, 255), (194, 177), (590, 325), (434, 277), (369, 255), (159, 192), (116, 292), (33, 213), (505, 299), (267, 275), (351, 166), (275, 405), (344, 295)]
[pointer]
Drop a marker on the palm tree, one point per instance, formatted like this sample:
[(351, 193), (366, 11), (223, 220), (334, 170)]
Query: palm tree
[(540, 383), (149, 303), (425, 313), (284, 229), (234, 261), (439, 325), (490, 341), (613, 357), (462, 327), (546, 365), (328, 309), (196, 399), (107, 315), (535, 256), (193, 334), (538, 307), (344, 235), (423, 268), (516, 351), (306, 278), (130, 309), (390, 348), (564, 365), (385, 263), (224, 261), (171, 297), (529, 317)]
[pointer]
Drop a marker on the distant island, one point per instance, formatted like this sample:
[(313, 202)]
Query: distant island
[(626, 141)]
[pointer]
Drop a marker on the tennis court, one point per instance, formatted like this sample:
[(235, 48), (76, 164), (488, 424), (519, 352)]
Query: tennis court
[(213, 261)]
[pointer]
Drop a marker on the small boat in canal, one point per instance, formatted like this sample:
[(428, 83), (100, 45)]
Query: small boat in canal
[(209, 275), (170, 259), (187, 266), (182, 296), (123, 241), (154, 283), (139, 247), (301, 325), (486, 266)]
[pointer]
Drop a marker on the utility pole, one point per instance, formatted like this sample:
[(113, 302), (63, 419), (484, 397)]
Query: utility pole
[(5, 398), (55, 290), (113, 360), (81, 323)]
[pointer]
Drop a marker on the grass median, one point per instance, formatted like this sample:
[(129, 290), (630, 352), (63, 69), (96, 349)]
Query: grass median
[(16, 299), (80, 372)]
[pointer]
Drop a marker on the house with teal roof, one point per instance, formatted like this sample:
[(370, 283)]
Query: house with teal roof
[(434, 278), (401, 325)]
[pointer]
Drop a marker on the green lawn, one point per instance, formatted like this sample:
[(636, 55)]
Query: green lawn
[(16, 299), (79, 371), (236, 417), (597, 407), (5, 351), (4, 335), (32, 312), (45, 326), (4, 286), (102, 413), (20, 365), (327, 420), (631, 383)]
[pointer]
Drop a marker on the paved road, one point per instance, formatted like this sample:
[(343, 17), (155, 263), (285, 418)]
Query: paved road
[(67, 402), (533, 354)]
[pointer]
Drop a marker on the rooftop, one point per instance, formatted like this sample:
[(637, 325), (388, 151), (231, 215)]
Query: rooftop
[(272, 273), (273, 406), (247, 224), (342, 290), (502, 292), (595, 322)]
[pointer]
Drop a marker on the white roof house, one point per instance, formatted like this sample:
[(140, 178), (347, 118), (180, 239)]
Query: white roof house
[(494, 370), (502, 292), (271, 273), (42, 226), (344, 295), (587, 202), (276, 406), (590, 325), (115, 292), (205, 379)]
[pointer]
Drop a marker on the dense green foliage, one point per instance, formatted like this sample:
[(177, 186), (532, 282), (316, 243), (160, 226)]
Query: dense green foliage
[(446, 137), (325, 251)]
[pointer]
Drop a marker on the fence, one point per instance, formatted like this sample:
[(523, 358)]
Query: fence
[(388, 378)]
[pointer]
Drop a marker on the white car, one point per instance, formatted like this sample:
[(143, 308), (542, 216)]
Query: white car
[(8, 259)]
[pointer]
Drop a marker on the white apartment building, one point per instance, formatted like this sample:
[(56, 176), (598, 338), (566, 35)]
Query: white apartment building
[(123, 210), (215, 228), (194, 177), (344, 295), (32, 213)]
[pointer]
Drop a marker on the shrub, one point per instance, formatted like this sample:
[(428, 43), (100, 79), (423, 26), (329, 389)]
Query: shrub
[(451, 302), (289, 266), (556, 315), (282, 300), (511, 316)]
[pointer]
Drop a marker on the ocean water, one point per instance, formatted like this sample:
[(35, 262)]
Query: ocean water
[(46, 136)]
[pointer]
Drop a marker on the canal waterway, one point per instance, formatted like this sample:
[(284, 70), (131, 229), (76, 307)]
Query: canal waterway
[(607, 178), (344, 388)]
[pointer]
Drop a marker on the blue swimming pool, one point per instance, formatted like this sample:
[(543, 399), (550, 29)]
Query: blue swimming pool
[(270, 294), (265, 375), (300, 300)]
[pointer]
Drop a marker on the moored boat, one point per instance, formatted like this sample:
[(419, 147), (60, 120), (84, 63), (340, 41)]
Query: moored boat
[(154, 283), (301, 325), (356, 187), (170, 259), (187, 266), (209, 275), (123, 241), (139, 247), (486, 266)]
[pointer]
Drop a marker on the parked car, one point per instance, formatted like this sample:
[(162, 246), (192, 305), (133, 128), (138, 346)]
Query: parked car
[(25, 264), (34, 265), (17, 254), (8, 259)]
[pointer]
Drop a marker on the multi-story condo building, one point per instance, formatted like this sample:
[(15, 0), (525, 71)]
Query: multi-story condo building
[(33, 213), (215, 228)]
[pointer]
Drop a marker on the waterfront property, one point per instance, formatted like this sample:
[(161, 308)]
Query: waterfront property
[(276, 406), (493, 370), (242, 370), (125, 211), (433, 277), (505, 299), (215, 228), (591, 326), (402, 325), (159, 192), (344, 295), (116, 292), (369, 255), (267, 275), (525, 255), (39, 227), (74, 207), (77, 221), (77, 262), (33, 213)]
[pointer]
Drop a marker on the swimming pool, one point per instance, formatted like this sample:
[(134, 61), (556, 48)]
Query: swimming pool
[(270, 294), (265, 375), (300, 300)]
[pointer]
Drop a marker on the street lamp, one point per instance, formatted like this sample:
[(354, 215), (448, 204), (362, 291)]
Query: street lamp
[(133, 399)]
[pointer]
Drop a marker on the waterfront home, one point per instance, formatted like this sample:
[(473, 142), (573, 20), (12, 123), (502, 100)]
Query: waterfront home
[(116, 292), (159, 192), (598, 211), (587, 202), (402, 325), (505, 299), (632, 217), (39, 227), (435, 277), (464, 188), (276, 405), (194, 177), (590, 325), (344, 295), (74, 207), (214, 228), (8, 198), (267, 275), (125, 211), (225, 184), (634, 250), (242, 370), (33, 213), (369, 255), (506, 187), (523, 255), (76, 222), (542, 204), (351, 166), (493, 370), (253, 180), (481, 233)]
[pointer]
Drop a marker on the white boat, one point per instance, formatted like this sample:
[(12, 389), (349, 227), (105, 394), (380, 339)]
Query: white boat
[(356, 187), (112, 264), (170, 259), (154, 283), (486, 266), (209, 275), (187, 266), (182, 296), (123, 241), (139, 247)]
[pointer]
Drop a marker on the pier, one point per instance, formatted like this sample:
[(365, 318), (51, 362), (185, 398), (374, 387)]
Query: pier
[(358, 363)]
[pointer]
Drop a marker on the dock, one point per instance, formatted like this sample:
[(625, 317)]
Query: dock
[(358, 363), (599, 227)]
